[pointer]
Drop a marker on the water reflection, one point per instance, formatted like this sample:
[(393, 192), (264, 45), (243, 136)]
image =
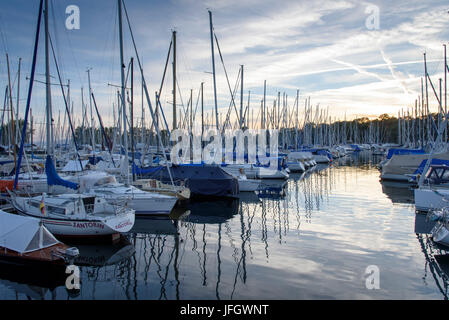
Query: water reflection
[(437, 264), (31, 283), (398, 192), (313, 242), (100, 255)]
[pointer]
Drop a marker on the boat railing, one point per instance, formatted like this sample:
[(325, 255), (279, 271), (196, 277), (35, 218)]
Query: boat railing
[(119, 206)]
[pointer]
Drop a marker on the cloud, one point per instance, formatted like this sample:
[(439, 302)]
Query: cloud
[(321, 48)]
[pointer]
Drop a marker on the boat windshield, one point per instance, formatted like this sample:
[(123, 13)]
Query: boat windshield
[(438, 174)]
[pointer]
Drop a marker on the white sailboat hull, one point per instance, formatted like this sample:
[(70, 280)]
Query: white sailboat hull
[(150, 206), (142, 202), (253, 172), (249, 185), (320, 158), (67, 220), (440, 234), (89, 228), (296, 166)]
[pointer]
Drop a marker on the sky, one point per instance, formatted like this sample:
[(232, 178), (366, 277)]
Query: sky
[(354, 58)]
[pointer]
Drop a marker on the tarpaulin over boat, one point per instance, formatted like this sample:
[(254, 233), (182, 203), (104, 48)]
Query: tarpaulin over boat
[(394, 151), (54, 179), (143, 171), (203, 180), (23, 234)]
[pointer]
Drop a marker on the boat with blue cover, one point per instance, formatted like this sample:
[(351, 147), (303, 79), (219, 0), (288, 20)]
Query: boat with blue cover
[(203, 180)]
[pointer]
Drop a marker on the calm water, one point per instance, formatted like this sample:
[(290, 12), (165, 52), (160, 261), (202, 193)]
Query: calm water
[(314, 243)]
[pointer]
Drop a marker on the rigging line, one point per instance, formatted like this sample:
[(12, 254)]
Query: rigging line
[(180, 96), (227, 78), (145, 87), (57, 42), (65, 102), (185, 114), (72, 51), (228, 114), (197, 102), (165, 70)]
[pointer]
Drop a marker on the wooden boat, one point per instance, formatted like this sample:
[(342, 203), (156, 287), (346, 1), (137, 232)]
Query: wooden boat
[(153, 185), (25, 240)]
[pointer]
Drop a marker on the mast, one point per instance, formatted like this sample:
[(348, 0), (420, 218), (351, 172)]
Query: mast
[(427, 95), (47, 84), (122, 74), (241, 97), (213, 69), (202, 112), (191, 125), (247, 113), (13, 134), (264, 102), (92, 131), (297, 120), (30, 89), (82, 113), (174, 80), (31, 129), (143, 114), (445, 91), (132, 115), (18, 97)]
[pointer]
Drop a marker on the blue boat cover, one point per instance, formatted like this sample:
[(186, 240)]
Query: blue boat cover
[(54, 179), (203, 180), (355, 147), (94, 160), (143, 171), (433, 162), (394, 151)]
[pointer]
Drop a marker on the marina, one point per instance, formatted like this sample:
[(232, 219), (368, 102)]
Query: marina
[(127, 174), (311, 244)]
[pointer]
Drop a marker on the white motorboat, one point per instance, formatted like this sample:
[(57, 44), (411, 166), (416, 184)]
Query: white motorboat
[(255, 172), (76, 215), (245, 184), (296, 162), (143, 202), (248, 185)]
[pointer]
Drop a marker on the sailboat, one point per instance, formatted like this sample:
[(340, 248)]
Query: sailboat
[(71, 214), (76, 215)]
